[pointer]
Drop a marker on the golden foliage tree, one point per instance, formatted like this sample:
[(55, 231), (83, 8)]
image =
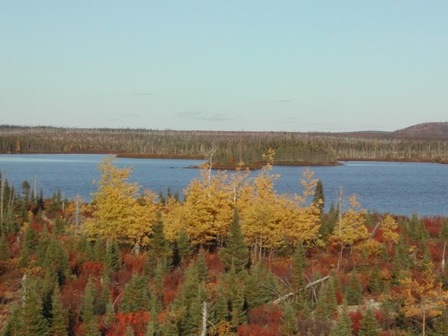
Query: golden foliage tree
[(423, 298), (119, 213)]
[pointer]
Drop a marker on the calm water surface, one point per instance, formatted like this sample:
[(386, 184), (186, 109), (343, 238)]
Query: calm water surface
[(400, 188)]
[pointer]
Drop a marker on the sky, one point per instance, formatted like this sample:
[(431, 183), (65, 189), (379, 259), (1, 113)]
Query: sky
[(251, 65)]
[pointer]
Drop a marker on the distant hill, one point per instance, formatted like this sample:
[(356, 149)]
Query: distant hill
[(432, 130)]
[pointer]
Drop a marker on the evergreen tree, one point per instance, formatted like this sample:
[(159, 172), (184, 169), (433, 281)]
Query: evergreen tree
[(319, 198), (33, 322), (181, 248), (136, 296), (369, 325), (59, 321), (87, 313), (158, 249), (289, 320), (235, 252), (327, 303), (4, 253), (343, 326), (353, 292)]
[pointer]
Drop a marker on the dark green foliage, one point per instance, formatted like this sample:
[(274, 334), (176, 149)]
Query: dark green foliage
[(326, 304), (235, 253), (343, 326), (289, 320), (4, 253), (158, 249), (32, 320), (328, 221), (59, 321), (136, 296), (353, 292), (88, 316), (369, 325), (319, 197), (181, 248)]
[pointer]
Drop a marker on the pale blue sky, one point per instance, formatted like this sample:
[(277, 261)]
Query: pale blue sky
[(224, 65)]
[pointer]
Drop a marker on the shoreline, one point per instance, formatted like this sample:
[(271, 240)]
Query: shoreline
[(253, 166)]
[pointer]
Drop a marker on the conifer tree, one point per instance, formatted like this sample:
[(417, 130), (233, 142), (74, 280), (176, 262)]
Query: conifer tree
[(4, 253), (235, 253), (33, 322), (343, 326), (59, 321), (158, 249), (353, 292), (136, 296), (289, 320), (369, 325), (326, 304), (319, 198), (87, 313)]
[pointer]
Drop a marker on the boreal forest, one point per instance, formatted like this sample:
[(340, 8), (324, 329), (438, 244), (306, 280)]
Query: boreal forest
[(229, 257), (230, 150)]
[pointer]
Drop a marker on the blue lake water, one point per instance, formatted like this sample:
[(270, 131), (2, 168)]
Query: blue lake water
[(399, 188)]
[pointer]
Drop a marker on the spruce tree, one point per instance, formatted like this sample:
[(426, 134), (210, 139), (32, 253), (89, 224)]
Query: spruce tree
[(343, 326), (87, 313), (369, 325), (235, 253), (33, 322), (158, 249), (289, 320), (4, 253), (136, 296), (353, 292), (319, 198), (59, 321)]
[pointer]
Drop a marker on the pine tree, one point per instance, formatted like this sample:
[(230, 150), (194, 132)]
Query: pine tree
[(369, 325), (235, 252)]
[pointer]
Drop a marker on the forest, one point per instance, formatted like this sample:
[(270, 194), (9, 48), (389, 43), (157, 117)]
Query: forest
[(231, 257), (231, 150)]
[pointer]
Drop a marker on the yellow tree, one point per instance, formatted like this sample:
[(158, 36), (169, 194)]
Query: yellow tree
[(302, 217), (423, 298), (350, 230), (118, 212), (389, 227)]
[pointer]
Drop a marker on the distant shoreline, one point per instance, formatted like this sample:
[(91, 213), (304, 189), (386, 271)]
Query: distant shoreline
[(253, 166)]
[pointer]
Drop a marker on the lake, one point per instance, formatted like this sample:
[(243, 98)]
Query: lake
[(399, 188)]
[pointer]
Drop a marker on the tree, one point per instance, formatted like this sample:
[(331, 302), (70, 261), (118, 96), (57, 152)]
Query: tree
[(235, 251), (350, 230), (117, 213), (423, 298), (369, 325), (59, 321), (88, 316), (319, 197)]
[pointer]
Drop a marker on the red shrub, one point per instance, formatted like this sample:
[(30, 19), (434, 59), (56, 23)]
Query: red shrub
[(265, 315), (356, 318), (433, 225), (137, 320), (92, 268), (134, 263)]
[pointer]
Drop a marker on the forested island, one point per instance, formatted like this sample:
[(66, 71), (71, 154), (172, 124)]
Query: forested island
[(228, 150), (232, 257)]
